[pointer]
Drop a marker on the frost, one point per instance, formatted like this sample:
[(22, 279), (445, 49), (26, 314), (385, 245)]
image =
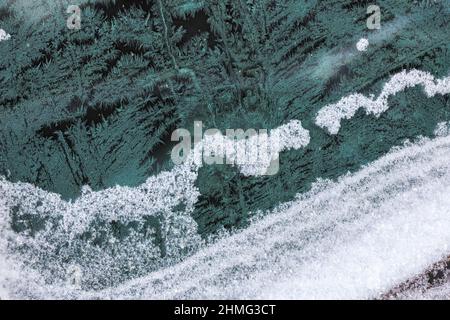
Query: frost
[(354, 238), (53, 235), (441, 292), (362, 44), (4, 36), (254, 155), (330, 116), (442, 129)]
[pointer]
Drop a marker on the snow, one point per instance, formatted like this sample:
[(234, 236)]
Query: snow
[(254, 155), (330, 116), (4, 35), (362, 44), (66, 223), (441, 292), (352, 239), (442, 129), (422, 291)]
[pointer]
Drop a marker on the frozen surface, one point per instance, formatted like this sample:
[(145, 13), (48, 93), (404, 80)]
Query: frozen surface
[(352, 239), (330, 116), (4, 35), (109, 236), (355, 238)]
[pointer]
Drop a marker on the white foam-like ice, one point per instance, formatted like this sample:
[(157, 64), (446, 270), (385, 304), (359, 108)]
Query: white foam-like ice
[(355, 238), (159, 193), (4, 35), (255, 154), (442, 129), (330, 116), (5, 268), (362, 44)]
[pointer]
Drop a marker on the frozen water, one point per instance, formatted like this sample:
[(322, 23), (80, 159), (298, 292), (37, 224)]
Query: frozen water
[(355, 238), (330, 116)]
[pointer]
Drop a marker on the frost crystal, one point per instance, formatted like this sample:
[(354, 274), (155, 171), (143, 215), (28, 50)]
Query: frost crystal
[(4, 36), (362, 44), (330, 116)]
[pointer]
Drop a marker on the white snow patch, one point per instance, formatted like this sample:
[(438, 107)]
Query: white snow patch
[(362, 44), (254, 155), (330, 116), (442, 129), (4, 36), (441, 292)]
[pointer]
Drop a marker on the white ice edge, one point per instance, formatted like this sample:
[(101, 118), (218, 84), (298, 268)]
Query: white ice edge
[(4, 35), (441, 292), (330, 116), (157, 197)]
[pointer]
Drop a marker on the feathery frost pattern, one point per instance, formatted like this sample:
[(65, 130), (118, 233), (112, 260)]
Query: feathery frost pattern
[(93, 205)]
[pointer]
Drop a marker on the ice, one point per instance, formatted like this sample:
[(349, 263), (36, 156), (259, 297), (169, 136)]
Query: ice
[(352, 239), (4, 35), (330, 116)]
